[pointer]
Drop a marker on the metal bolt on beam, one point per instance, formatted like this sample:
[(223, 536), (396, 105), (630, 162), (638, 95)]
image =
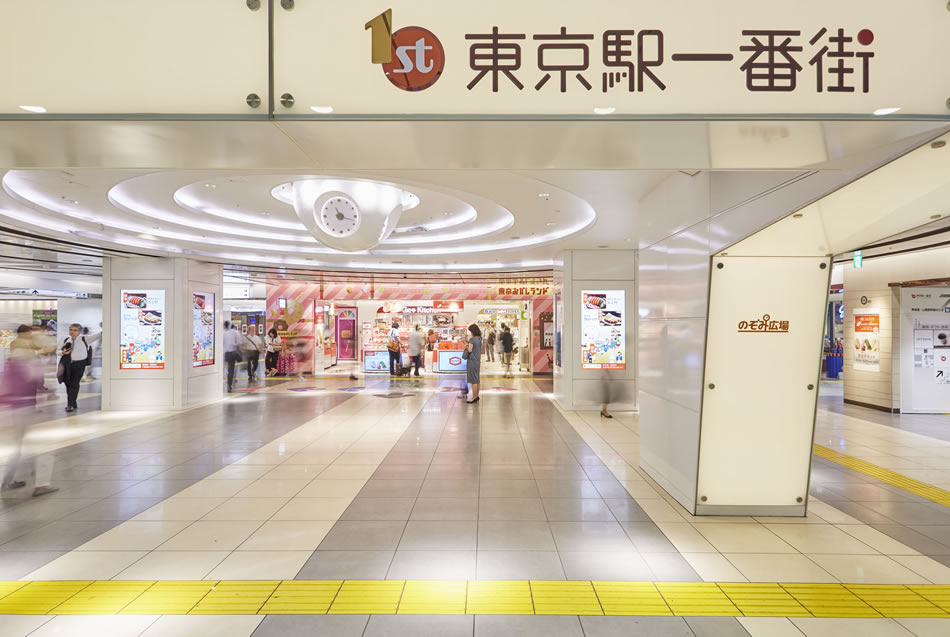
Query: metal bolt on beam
[(253, 100), (253, 5)]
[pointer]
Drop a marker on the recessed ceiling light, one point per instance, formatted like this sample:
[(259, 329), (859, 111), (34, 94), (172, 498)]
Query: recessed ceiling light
[(33, 109), (210, 186), (544, 195), (150, 237), (604, 110), (887, 111), (323, 110), (550, 223), (74, 201)]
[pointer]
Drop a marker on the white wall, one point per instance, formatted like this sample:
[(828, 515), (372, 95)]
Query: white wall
[(882, 389)]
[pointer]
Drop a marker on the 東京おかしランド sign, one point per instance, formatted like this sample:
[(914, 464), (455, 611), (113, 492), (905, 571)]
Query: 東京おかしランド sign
[(606, 57)]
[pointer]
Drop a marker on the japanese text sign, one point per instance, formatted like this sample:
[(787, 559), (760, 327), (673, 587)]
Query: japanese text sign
[(680, 57)]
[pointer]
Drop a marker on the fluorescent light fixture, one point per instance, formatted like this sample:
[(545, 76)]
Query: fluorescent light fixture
[(544, 195), (887, 111), (150, 237), (323, 110), (604, 110), (33, 109)]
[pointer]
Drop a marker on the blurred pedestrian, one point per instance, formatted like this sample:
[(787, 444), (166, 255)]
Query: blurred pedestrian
[(507, 348), (416, 339), (395, 349), (80, 356), (45, 346), (232, 350), (274, 346), (253, 345), (490, 346), (18, 394)]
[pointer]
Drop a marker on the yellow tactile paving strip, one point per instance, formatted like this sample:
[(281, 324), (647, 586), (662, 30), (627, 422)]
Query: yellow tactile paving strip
[(429, 597), (924, 490)]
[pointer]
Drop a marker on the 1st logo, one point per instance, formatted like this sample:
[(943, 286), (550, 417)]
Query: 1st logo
[(412, 58)]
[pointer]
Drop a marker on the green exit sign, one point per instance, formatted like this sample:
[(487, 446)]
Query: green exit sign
[(858, 259)]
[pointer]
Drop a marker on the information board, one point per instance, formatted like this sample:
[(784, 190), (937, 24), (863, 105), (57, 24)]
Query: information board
[(142, 329), (452, 361), (925, 366), (376, 361), (203, 329), (603, 330), (867, 340)]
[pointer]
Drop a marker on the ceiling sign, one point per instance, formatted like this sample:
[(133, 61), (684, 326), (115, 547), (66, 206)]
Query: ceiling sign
[(603, 57)]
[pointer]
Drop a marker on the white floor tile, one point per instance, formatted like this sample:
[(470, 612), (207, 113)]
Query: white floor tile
[(313, 509), (94, 626), (832, 627), (215, 488), (743, 538), (295, 471), (135, 535), (211, 536), (204, 626), (926, 626), (282, 487), (877, 540), (867, 569), (769, 627), (278, 535), (260, 565), (321, 488), (820, 538), (830, 514), (659, 510), (685, 537), (247, 509), (779, 568), (713, 567), (84, 565), (180, 509), (173, 565), (22, 625), (926, 567), (240, 472)]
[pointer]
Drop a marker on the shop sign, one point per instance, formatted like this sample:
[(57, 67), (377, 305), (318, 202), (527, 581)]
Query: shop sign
[(449, 305), (523, 290), (764, 325), (603, 57)]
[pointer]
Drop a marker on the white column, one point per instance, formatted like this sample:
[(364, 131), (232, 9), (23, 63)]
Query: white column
[(594, 270), (178, 384)]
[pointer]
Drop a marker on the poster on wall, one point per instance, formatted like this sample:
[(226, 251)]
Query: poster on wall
[(558, 313), (142, 329), (45, 319), (867, 340), (203, 326), (603, 332), (925, 368)]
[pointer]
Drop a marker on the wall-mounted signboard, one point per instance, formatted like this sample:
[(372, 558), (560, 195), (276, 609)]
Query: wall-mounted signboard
[(203, 328), (867, 340), (603, 330), (925, 360), (142, 329)]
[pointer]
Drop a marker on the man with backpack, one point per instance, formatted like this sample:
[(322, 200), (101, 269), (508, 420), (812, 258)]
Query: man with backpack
[(79, 350), (507, 347)]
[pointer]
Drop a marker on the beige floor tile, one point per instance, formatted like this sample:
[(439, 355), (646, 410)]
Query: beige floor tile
[(95, 626), (926, 626), (180, 509), (641, 489), (312, 458), (23, 625), (820, 538), (320, 488), (769, 627), (313, 509), (838, 627), (659, 510), (247, 509), (211, 536), (287, 536), (240, 472), (809, 519), (830, 514), (173, 565), (339, 471), (757, 567), (204, 626), (743, 538), (877, 540), (260, 565), (867, 569), (86, 565), (282, 487), (295, 471), (685, 537), (361, 457), (925, 567), (713, 567), (135, 535), (215, 488)]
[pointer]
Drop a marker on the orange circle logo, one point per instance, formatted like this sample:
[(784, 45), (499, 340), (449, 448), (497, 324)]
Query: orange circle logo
[(418, 59)]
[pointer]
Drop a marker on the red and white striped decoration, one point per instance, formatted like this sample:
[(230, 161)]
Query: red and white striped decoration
[(344, 292), (300, 299), (542, 357)]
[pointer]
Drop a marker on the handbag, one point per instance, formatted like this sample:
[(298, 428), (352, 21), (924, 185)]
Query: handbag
[(393, 345)]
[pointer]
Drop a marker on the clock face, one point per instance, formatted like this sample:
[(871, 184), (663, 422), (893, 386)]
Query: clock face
[(340, 216)]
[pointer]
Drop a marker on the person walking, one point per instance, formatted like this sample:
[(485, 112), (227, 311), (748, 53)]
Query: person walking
[(18, 387), (395, 349), (416, 340), (252, 349), (274, 345), (473, 353), (232, 351), (490, 346), (507, 347), (80, 356)]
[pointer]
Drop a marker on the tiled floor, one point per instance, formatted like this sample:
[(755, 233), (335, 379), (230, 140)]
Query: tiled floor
[(368, 485)]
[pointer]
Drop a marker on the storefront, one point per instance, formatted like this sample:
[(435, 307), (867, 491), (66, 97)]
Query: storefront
[(340, 324)]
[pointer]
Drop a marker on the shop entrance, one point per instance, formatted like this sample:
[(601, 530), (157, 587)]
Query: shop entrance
[(346, 334)]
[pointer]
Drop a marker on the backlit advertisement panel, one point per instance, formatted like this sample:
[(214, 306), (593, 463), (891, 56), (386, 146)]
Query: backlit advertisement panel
[(603, 330)]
